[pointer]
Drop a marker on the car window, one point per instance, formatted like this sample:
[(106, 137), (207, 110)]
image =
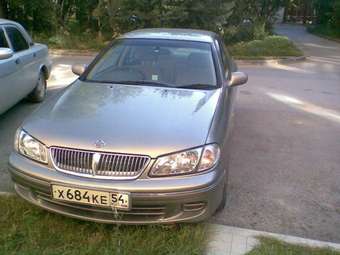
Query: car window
[(223, 53), (174, 62), (17, 40), (3, 41)]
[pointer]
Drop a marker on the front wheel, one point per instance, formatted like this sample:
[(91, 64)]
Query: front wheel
[(224, 199), (39, 92)]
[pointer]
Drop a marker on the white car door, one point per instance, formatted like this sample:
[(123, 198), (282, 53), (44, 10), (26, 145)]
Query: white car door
[(24, 59), (9, 77)]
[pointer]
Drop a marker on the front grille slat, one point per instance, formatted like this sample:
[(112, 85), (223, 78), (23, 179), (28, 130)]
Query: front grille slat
[(110, 165)]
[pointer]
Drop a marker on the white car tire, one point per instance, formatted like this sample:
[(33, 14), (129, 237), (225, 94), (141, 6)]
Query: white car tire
[(39, 92)]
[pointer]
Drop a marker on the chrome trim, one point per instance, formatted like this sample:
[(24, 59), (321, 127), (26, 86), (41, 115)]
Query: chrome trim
[(104, 162)]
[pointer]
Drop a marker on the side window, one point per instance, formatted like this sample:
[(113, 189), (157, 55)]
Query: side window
[(18, 41), (224, 56), (220, 46), (3, 40)]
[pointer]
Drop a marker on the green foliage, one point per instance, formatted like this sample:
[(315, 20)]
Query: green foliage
[(25, 229), (72, 41), (271, 246), (200, 14), (328, 12), (36, 15), (245, 32), (328, 18), (258, 11), (277, 46), (105, 19), (325, 31)]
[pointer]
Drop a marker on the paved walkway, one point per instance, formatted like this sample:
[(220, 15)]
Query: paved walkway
[(226, 240), (316, 48)]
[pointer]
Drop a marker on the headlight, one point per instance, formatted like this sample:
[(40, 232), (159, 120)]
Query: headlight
[(30, 147), (186, 162), (210, 157)]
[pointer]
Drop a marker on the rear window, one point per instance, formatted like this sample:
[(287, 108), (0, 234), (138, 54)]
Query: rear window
[(174, 62), (18, 41)]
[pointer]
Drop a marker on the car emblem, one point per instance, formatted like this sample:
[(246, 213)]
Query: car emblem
[(99, 143), (95, 162)]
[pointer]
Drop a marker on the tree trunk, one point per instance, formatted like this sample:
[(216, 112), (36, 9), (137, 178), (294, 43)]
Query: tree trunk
[(304, 12), (286, 11), (2, 12)]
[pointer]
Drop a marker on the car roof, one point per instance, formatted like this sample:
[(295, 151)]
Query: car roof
[(21, 28), (172, 34), (6, 21)]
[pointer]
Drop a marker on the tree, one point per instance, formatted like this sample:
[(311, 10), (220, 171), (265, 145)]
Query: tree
[(35, 15), (2, 12)]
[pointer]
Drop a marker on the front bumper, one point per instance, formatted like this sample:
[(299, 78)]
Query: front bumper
[(154, 200)]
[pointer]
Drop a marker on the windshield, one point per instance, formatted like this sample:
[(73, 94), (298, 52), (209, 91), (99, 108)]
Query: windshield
[(170, 63)]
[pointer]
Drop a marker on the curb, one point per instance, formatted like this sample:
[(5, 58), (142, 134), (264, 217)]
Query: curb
[(269, 61), (226, 240)]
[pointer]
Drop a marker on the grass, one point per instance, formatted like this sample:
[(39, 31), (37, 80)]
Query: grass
[(25, 229), (271, 46), (72, 42), (325, 31), (270, 246)]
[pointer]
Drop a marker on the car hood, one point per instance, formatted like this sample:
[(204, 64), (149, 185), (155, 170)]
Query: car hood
[(128, 119)]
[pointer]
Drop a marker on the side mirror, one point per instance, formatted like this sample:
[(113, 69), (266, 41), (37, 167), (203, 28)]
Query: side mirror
[(78, 69), (238, 78), (5, 53)]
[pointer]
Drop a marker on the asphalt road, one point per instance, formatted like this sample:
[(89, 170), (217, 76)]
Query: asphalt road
[(285, 163)]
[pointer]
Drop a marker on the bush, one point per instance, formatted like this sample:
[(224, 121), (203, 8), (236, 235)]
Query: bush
[(85, 41), (277, 46), (245, 32), (324, 30)]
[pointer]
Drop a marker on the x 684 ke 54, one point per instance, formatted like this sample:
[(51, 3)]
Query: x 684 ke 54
[(141, 137)]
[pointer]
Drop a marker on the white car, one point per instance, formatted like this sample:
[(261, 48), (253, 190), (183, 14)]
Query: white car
[(24, 66)]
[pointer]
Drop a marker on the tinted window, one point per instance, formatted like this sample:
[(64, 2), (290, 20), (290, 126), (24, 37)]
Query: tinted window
[(174, 62), (3, 41), (18, 42)]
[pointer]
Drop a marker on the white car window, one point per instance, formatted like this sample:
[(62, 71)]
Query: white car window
[(18, 41)]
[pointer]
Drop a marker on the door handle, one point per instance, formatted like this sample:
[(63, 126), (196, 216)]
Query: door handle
[(17, 61), (34, 54)]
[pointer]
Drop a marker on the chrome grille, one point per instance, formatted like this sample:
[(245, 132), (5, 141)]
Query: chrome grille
[(98, 164)]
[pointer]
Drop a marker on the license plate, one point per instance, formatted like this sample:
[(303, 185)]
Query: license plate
[(119, 200)]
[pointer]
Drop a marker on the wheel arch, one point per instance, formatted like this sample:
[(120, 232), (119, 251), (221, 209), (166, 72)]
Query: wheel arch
[(45, 71)]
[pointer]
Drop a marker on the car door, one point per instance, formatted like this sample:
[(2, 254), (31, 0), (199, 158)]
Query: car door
[(229, 92), (24, 59), (9, 76)]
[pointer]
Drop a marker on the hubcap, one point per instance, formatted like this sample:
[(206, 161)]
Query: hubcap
[(41, 87)]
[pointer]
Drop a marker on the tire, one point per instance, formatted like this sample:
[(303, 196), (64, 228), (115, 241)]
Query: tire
[(224, 199), (39, 92)]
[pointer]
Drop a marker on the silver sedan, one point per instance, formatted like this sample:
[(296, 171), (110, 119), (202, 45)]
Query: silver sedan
[(141, 137), (24, 66)]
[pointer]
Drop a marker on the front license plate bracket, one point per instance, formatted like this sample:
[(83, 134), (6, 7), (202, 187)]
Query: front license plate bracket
[(116, 200)]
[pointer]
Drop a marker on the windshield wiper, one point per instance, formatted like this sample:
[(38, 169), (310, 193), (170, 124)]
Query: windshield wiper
[(146, 82), (141, 82), (197, 86)]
